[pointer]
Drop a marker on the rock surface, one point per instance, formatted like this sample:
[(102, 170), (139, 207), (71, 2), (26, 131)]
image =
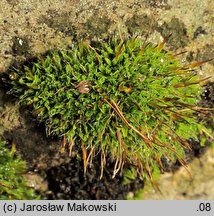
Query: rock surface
[(194, 183)]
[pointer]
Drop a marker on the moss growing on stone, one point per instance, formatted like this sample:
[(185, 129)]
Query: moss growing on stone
[(126, 98), (12, 182)]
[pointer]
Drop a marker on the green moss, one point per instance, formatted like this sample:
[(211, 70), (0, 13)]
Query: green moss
[(128, 99), (12, 182)]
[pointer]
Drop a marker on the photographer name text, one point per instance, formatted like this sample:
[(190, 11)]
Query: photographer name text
[(69, 207)]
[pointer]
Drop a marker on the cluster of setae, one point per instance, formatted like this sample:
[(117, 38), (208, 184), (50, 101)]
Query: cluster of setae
[(126, 99), (12, 182)]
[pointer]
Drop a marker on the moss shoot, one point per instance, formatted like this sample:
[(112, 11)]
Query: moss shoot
[(128, 99), (12, 183)]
